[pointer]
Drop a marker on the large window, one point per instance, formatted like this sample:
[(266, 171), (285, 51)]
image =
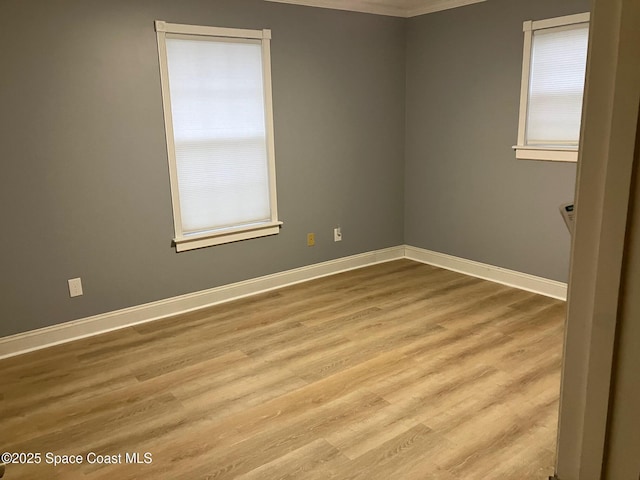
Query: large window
[(553, 73), (216, 86)]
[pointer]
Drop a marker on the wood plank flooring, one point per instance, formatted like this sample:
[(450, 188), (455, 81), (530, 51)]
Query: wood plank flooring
[(396, 371)]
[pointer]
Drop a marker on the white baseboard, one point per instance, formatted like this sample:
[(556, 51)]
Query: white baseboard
[(106, 322), (523, 281)]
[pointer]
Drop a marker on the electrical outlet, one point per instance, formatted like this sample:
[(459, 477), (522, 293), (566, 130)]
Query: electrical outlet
[(75, 287), (311, 239), (337, 234)]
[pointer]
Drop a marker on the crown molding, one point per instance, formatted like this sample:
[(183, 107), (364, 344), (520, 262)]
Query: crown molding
[(438, 6), (362, 6), (392, 8)]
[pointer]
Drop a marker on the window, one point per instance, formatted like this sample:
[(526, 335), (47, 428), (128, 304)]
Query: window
[(216, 87), (553, 73)]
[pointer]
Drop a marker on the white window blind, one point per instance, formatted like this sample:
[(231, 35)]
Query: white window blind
[(558, 63), (554, 63), (217, 99)]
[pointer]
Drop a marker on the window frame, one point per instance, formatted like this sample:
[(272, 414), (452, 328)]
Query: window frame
[(182, 241), (532, 152)]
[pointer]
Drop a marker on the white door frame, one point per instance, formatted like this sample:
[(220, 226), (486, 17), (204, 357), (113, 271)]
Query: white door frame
[(609, 127)]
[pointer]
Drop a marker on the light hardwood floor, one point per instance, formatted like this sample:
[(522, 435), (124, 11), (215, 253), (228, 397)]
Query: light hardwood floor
[(396, 371)]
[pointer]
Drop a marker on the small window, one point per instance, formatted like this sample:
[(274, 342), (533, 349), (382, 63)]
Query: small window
[(553, 74), (216, 87)]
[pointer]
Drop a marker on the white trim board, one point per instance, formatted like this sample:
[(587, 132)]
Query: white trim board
[(391, 8), (106, 322), (362, 6), (438, 6), (523, 281)]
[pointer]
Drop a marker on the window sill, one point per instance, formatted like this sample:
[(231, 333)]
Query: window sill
[(546, 154), (210, 239)]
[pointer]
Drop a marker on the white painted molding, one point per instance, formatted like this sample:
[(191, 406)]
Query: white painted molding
[(559, 21), (362, 6), (523, 281), (106, 322), (546, 154), (438, 6), (392, 8)]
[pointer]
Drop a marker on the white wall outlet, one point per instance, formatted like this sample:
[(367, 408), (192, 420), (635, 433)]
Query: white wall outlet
[(337, 234), (75, 287)]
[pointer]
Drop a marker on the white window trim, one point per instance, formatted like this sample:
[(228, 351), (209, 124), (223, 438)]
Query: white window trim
[(234, 234), (528, 152)]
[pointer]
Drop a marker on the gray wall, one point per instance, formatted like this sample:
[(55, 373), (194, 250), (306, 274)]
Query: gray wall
[(465, 193), (84, 184)]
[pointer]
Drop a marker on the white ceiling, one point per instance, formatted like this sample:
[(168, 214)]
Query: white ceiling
[(394, 8)]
